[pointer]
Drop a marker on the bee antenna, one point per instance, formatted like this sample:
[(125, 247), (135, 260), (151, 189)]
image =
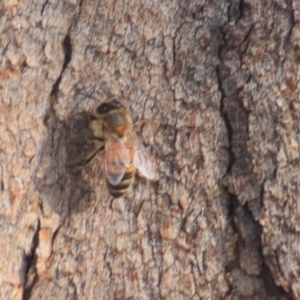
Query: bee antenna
[(89, 96)]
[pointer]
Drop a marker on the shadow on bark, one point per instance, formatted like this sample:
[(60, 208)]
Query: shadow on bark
[(62, 183)]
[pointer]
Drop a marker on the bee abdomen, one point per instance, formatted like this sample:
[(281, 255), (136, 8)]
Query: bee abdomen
[(120, 189)]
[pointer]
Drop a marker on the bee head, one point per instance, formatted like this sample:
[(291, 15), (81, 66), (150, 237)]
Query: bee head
[(113, 115), (108, 106)]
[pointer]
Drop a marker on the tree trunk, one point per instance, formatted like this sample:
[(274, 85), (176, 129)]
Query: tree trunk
[(219, 79)]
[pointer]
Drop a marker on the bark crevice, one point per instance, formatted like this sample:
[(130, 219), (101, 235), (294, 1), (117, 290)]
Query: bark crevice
[(31, 275), (67, 47)]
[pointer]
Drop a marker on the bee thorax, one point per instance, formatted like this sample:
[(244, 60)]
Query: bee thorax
[(116, 120)]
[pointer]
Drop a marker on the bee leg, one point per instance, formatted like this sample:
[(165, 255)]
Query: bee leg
[(138, 125), (88, 160), (91, 158), (147, 129), (94, 138), (99, 144)]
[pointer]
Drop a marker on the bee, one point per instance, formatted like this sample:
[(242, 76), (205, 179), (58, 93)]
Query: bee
[(124, 154)]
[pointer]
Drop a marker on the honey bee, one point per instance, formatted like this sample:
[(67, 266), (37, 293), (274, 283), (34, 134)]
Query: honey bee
[(123, 151)]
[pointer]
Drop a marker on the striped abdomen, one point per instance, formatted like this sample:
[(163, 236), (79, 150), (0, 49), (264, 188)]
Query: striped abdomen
[(125, 184), (118, 161)]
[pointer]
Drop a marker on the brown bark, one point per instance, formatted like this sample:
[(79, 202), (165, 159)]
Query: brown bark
[(221, 80)]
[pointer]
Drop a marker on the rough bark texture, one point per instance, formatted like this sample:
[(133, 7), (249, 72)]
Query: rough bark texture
[(220, 78)]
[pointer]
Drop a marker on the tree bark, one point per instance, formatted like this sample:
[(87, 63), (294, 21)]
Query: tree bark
[(219, 79)]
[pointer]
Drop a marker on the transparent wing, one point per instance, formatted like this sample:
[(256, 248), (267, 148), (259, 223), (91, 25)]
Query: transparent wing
[(143, 161), (116, 158)]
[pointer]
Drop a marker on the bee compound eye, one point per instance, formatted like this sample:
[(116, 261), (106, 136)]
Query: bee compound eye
[(103, 108), (116, 104)]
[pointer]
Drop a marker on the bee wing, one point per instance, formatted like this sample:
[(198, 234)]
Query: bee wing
[(116, 158), (143, 161)]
